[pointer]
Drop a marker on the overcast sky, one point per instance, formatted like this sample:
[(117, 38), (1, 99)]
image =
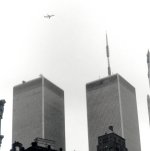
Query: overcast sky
[(69, 50)]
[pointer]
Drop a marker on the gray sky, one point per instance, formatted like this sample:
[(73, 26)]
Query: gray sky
[(69, 50)]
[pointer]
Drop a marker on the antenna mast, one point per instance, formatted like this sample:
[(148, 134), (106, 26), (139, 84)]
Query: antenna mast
[(107, 53)]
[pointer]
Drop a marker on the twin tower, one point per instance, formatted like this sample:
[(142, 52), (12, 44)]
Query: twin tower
[(38, 111)]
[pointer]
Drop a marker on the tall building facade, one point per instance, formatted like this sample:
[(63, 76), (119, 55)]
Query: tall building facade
[(112, 101), (38, 111)]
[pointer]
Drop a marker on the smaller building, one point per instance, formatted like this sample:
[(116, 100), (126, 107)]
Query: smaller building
[(17, 146), (2, 102), (111, 142), (39, 144)]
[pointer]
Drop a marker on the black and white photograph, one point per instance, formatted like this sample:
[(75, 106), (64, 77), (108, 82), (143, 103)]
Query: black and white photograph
[(74, 75)]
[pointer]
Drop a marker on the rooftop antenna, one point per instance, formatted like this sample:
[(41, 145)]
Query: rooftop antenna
[(107, 53), (111, 128), (148, 64)]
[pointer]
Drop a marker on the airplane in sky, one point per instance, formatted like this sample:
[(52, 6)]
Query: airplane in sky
[(48, 16)]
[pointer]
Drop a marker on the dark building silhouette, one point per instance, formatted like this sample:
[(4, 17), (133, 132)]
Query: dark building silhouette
[(38, 111), (2, 102), (38, 145), (17, 146), (112, 101), (111, 142)]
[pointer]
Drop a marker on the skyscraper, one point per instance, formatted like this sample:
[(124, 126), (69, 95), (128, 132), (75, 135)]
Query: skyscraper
[(112, 101), (38, 111)]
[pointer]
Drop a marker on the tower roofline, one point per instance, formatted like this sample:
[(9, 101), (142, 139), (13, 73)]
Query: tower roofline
[(37, 81), (111, 134), (107, 77), (106, 81)]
